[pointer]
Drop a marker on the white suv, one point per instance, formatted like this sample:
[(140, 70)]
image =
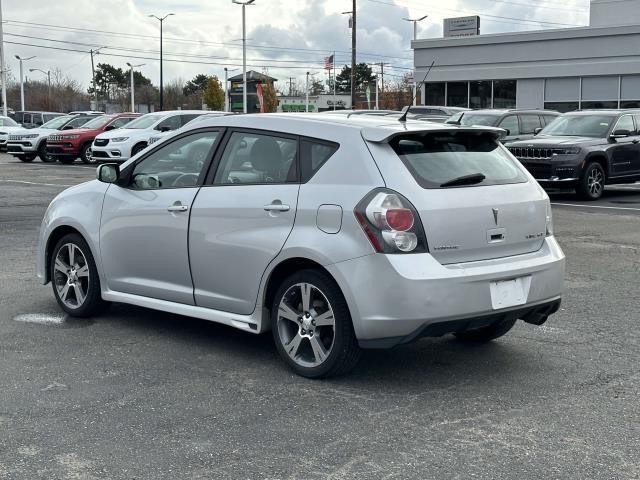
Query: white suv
[(124, 143)]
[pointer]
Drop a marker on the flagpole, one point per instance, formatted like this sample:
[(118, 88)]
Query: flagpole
[(334, 80)]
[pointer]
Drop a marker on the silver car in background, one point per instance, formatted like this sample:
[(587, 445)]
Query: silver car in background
[(335, 233)]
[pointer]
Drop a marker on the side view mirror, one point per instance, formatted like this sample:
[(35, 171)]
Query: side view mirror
[(165, 128), (108, 173), (68, 127), (109, 127), (537, 130), (620, 133)]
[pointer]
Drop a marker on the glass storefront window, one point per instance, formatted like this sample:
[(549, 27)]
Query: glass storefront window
[(480, 95), (504, 93), (457, 94), (435, 94), (630, 104), (561, 107), (586, 105)]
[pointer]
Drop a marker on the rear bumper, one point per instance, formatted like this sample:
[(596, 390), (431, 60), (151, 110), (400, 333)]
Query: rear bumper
[(392, 298)]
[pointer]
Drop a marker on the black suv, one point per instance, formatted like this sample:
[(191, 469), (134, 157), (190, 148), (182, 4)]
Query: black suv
[(519, 124), (584, 151)]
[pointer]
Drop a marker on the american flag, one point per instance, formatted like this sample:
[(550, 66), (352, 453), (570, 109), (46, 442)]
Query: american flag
[(328, 63)]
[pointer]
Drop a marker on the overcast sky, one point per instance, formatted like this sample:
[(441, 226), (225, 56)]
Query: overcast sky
[(285, 37)]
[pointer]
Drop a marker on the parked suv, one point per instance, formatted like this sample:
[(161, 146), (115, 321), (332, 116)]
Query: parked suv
[(585, 151), (26, 144), (127, 142), (335, 233), (68, 145), (34, 119), (520, 124), (7, 126)]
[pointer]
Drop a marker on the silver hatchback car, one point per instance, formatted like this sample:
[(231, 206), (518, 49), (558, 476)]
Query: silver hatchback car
[(334, 233)]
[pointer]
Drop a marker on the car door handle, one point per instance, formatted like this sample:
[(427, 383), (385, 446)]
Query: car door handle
[(277, 207), (177, 207)]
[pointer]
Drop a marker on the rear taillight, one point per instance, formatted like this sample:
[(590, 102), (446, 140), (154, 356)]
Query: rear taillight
[(391, 223), (549, 220)]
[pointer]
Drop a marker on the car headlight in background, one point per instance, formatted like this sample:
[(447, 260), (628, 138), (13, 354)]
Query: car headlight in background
[(119, 139), (572, 151), (70, 137)]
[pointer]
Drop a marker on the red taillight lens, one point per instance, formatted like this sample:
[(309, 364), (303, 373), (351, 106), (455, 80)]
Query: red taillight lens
[(391, 223), (400, 219)]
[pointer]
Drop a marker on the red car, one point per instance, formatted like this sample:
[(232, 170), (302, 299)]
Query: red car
[(68, 145)]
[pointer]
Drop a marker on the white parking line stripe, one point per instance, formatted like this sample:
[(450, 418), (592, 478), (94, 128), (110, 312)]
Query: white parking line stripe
[(37, 183), (594, 206)]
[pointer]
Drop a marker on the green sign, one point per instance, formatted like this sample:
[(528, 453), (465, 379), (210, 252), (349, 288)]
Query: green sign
[(296, 108)]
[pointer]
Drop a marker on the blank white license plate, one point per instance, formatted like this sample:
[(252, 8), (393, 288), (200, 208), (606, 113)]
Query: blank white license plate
[(510, 293)]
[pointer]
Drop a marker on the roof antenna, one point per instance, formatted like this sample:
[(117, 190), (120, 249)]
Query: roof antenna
[(403, 118)]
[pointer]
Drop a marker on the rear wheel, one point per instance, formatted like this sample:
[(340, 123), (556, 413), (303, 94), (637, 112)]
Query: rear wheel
[(74, 277), (85, 154), (42, 153), (591, 184), (486, 334), (312, 326)]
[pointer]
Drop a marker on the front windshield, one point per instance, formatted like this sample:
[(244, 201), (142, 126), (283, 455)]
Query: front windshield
[(469, 119), (97, 122), (143, 122), (7, 122), (57, 122), (595, 126)]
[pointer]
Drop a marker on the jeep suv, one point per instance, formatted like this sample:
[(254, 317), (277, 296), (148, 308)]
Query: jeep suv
[(68, 145), (584, 151), (519, 124)]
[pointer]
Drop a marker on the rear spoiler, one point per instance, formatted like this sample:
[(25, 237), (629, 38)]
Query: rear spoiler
[(385, 134)]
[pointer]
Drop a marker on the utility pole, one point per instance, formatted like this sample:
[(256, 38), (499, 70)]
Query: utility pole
[(162, 19), (93, 74), (226, 90), (244, 51), (48, 74), (290, 86), (133, 87), (353, 55), (22, 80), (3, 67), (306, 103)]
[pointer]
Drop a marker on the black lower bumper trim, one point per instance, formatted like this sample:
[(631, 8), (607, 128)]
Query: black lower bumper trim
[(535, 315)]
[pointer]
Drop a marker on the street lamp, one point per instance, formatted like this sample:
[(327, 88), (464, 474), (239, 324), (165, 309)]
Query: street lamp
[(415, 25), (162, 19), (244, 51), (306, 108), (93, 52), (48, 74), (22, 80), (133, 102), (226, 90)]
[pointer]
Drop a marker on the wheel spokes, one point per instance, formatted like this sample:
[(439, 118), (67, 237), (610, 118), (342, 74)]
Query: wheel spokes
[(64, 292), (80, 294), (325, 319), (83, 271), (293, 346), (62, 267), (319, 351), (285, 311), (305, 292), (71, 250)]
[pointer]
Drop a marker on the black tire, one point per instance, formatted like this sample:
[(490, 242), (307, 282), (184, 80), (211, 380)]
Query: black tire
[(138, 148), (92, 303), (84, 154), (486, 334), (344, 351), (42, 153), (592, 182), (66, 160), (25, 159)]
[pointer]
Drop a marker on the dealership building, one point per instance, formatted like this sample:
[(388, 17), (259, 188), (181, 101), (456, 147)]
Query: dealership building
[(562, 69)]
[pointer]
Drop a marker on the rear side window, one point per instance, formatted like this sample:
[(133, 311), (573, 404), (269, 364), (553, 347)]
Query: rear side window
[(313, 155), (437, 158), (529, 123)]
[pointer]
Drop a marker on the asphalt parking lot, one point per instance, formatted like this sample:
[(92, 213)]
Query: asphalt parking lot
[(139, 394)]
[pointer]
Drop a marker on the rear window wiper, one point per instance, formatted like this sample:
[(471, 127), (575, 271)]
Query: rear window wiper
[(471, 179)]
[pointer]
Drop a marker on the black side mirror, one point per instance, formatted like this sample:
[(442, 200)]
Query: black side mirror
[(68, 127), (109, 127), (108, 173), (165, 128), (620, 133), (537, 130)]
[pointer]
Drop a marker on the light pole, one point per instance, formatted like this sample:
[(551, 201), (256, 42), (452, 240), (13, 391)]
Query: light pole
[(48, 74), (244, 51), (162, 19), (93, 52), (226, 90), (306, 103), (133, 88), (22, 80), (415, 25), (3, 70)]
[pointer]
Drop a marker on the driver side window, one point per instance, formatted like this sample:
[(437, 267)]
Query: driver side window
[(175, 165)]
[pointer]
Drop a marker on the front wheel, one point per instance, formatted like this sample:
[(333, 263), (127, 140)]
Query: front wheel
[(137, 149), (85, 154), (74, 277), (312, 326), (42, 153), (591, 184)]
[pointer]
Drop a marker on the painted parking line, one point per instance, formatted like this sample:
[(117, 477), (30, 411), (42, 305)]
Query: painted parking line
[(37, 183), (594, 206)]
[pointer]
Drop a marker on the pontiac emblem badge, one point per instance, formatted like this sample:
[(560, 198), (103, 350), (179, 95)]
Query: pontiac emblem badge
[(495, 215)]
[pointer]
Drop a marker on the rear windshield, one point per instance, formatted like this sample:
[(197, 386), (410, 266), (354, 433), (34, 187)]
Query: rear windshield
[(435, 159)]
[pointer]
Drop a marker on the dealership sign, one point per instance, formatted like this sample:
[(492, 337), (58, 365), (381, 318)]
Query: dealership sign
[(462, 26)]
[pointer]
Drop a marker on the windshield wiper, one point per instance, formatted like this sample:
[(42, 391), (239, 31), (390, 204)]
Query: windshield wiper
[(471, 179)]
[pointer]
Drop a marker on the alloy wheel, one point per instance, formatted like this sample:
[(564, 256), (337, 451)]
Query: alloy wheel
[(71, 275), (306, 325), (595, 182)]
